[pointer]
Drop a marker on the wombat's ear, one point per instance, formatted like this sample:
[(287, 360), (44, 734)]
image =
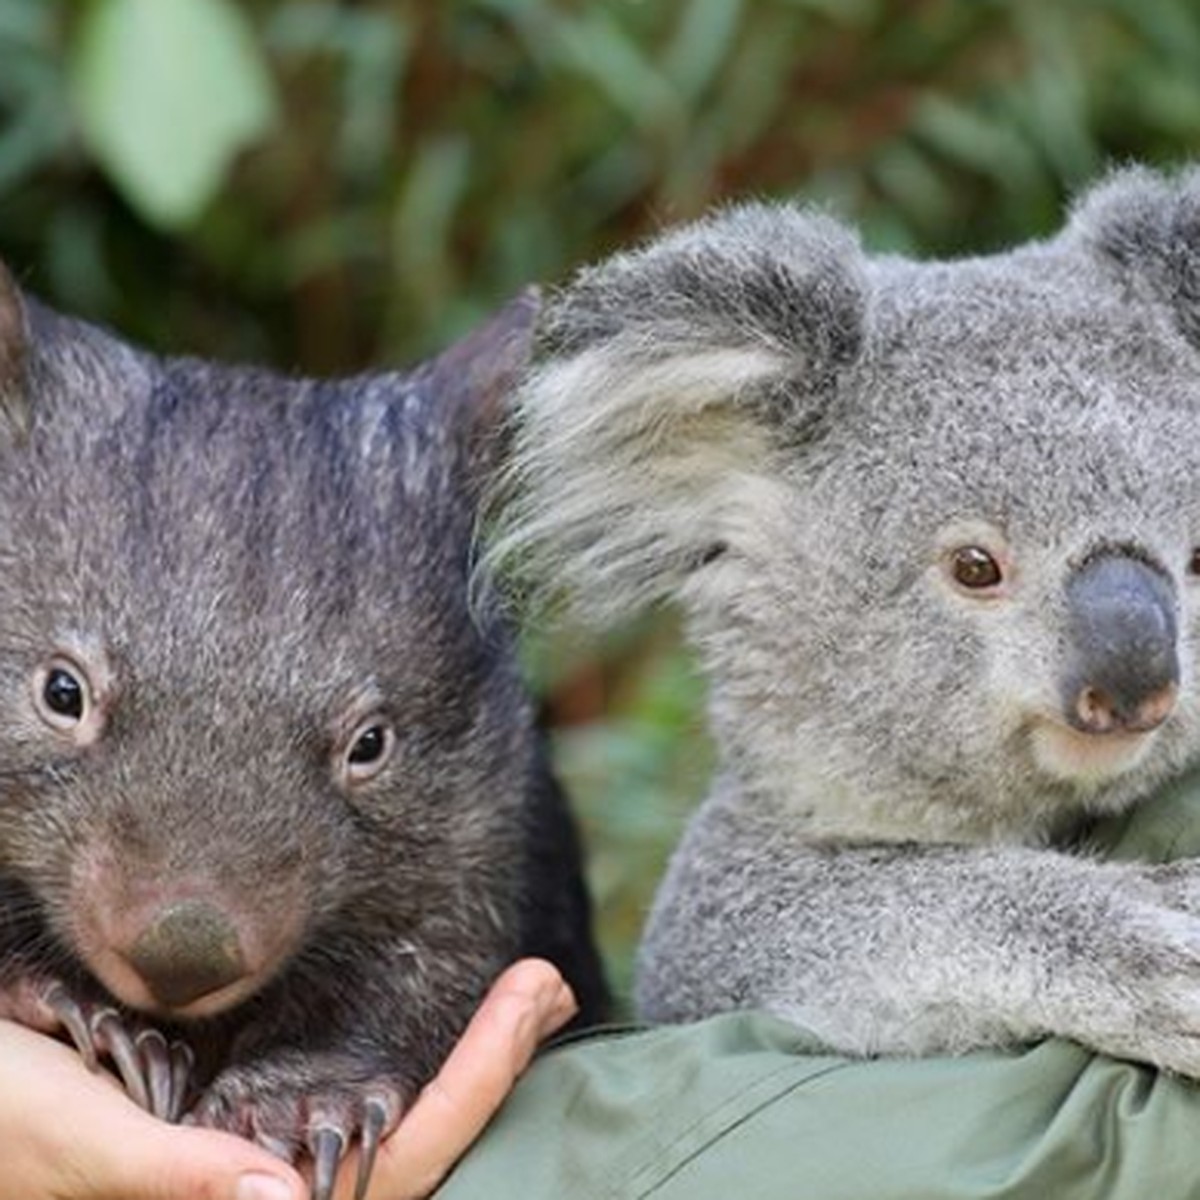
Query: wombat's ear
[(473, 383), (14, 349), (1148, 225), (668, 380)]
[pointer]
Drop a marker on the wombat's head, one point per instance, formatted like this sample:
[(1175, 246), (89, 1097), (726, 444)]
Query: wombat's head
[(245, 709), (936, 526)]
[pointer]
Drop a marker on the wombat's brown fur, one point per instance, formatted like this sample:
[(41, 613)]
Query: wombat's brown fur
[(268, 782)]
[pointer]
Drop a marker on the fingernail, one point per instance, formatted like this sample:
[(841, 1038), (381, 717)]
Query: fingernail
[(257, 1186)]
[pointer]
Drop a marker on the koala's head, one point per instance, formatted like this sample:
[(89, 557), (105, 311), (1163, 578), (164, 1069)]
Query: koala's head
[(936, 527), (243, 699)]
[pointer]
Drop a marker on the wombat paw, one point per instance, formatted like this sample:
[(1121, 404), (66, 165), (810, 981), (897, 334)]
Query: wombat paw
[(156, 1073), (317, 1104)]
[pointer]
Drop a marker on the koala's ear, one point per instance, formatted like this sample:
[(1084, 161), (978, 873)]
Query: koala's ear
[(667, 381), (1148, 225), (14, 353), (473, 382)]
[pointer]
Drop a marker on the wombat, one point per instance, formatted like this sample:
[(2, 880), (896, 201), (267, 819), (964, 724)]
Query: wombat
[(935, 528), (274, 808)]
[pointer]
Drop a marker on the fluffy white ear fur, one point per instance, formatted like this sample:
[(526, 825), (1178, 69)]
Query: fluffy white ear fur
[(644, 437), (627, 471)]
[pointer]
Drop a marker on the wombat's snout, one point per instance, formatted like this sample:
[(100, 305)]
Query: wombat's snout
[(178, 943), (190, 949), (1123, 663)]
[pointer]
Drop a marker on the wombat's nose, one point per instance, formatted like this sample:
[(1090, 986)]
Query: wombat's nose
[(1123, 666), (190, 949)]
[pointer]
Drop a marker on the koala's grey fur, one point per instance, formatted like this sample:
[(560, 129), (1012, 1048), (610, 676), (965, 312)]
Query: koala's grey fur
[(795, 440), (243, 567)]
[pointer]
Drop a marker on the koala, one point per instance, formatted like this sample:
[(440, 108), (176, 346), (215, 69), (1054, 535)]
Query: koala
[(934, 528), (274, 808)]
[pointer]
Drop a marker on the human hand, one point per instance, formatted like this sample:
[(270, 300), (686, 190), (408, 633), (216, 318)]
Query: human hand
[(69, 1133), (72, 1134), (526, 1004)]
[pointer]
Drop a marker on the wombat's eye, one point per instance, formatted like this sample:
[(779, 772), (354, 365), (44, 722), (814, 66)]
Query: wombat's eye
[(62, 696), (369, 750), (975, 568)]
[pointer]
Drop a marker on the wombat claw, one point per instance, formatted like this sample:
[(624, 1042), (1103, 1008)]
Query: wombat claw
[(327, 1146), (329, 1143), (378, 1118), (156, 1073), (168, 1069), (327, 1123)]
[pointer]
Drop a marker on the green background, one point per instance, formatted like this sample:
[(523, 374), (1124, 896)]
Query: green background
[(329, 186)]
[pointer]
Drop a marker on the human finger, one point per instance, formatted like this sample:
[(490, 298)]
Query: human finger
[(527, 1003)]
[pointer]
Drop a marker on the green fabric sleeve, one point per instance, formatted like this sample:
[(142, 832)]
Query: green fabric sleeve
[(746, 1106)]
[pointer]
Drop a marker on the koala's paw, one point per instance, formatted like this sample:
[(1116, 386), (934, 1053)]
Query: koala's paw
[(156, 1072), (1177, 884), (322, 1105), (1154, 1013)]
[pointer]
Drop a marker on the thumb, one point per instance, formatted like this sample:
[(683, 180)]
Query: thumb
[(171, 1162), (74, 1134)]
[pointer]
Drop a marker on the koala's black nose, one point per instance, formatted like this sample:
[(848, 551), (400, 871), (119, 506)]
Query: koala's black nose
[(190, 949), (1123, 664)]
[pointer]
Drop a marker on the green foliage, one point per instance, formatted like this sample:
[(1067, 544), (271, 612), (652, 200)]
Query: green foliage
[(329, 185), (634, 775), (166, 92)]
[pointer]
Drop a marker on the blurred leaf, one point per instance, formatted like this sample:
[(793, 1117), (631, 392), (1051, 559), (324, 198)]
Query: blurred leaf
[(701, 44), (975, 140), (907, 178), (851, 12), (166, 92), (758, 73), (76, 263), (25, 21), (1171, 103), (1054, 115), (1053, 106), (34, 129), (1172, 29), (592, 45), (422, 225), (373, 49)]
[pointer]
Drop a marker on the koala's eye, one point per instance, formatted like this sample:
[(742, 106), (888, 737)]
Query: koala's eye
[(63, 697), (1194, 563), (369, 750), (975, 569)]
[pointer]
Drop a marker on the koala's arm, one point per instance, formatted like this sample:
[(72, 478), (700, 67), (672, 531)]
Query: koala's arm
[(918, 950)]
